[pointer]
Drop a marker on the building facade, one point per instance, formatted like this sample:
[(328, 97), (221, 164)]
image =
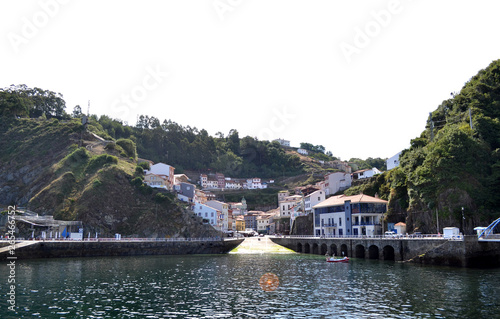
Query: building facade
[(312, 200), (358, 215), (393, 161), (208, 213), (335, 182), (163, 170)]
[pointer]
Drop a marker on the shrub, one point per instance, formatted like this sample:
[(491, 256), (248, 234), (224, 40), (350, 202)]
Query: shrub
[(101, 160), (136, 181), (128, 146)]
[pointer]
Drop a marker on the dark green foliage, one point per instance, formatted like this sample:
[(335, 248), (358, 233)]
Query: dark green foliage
[(96, 183), (100, 161), (144, 165), (139, 171), (136, 181), (369, 163), (128, 146), (193, 149), (161, 198), (23, 101)]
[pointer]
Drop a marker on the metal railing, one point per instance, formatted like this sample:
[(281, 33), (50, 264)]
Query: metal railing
[(389, 237), (208, 239)]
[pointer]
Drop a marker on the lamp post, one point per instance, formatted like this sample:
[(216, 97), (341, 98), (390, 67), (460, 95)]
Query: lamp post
[(463, 221)]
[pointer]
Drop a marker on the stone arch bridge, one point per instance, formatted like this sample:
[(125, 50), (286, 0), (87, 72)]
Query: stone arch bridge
[(463, 252)]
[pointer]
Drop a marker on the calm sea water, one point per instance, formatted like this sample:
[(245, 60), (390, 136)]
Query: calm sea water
[(227, 286)]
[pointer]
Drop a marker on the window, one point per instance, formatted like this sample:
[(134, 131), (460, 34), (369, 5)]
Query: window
[(340, 221), (212, 214)]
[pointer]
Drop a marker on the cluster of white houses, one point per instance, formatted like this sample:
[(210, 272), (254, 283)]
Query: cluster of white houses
[(335, 215), (219, 181)]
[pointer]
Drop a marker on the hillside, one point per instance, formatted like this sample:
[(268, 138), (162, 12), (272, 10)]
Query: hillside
[(44, 168), (453, 164)]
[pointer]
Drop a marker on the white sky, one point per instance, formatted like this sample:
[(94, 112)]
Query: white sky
[(268, 68)]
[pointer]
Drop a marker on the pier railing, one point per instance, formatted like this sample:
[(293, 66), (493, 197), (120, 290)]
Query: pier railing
[(208, 239), (388, 237)]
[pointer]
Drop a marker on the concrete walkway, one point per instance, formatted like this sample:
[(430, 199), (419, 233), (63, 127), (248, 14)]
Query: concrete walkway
[(6, 249), (260, 245)]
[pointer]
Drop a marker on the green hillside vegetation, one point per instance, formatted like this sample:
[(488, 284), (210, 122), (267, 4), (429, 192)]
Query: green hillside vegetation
[(44, 168), (450, 165)]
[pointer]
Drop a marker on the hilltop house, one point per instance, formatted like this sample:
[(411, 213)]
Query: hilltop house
[(164, 171), (365, 173), (393, 161), (349, 215), (156, 181)]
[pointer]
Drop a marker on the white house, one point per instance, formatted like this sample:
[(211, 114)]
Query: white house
[(255, 183), (335, 182), (233, 184), (303, 151), (165, 170), (288, 204), (224, 217), (313, 199), (365, 173), (282, 142), (263, 223), (203, 180), (358, 215), (212, 184), (400, 228), (209, 213), (393, 161)]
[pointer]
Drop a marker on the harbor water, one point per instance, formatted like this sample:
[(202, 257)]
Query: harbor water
[(227, 286)]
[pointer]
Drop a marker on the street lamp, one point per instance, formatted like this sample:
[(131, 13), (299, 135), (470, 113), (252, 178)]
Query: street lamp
[(463, 221)]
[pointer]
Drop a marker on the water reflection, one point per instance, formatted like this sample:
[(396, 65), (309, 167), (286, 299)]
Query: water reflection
[(227, 286)]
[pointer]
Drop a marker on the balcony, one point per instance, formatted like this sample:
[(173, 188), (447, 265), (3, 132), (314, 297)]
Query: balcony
[(367, 224), (329, 225)]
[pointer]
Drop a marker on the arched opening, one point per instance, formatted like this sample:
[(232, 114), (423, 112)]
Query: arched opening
[(324, 249), (333, 250), (343, 250), (299, 247), (388, 253), (373, 252), (307, 248), (360, 251), (315, 249)]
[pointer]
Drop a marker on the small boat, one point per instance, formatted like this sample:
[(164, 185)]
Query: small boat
[(337, 260)]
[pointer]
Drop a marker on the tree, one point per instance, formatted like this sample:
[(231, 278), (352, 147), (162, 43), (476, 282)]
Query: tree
[(77, 111)]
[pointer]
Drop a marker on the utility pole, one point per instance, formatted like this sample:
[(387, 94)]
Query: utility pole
[(88, 109)]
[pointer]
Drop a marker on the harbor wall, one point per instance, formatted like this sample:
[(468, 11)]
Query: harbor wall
[(459, 253), (61, 249)]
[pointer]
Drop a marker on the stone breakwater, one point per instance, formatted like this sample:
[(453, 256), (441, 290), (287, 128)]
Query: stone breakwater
[(468, 252), (62, 249)]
